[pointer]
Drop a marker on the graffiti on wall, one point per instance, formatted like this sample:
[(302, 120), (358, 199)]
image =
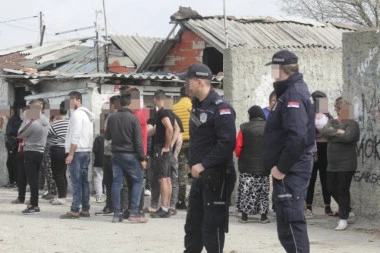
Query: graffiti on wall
[(364, 85)]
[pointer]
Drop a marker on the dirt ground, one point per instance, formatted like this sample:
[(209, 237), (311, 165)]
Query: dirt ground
[(45, 232)]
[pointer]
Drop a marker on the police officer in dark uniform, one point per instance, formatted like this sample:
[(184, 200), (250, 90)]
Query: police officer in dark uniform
[(212, 134), (289, 140)]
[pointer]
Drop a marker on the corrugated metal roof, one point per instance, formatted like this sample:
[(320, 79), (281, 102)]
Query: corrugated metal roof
[(86, 62), (40, 57), (267, 32), (46, 45), (135, 47), (133, 75)]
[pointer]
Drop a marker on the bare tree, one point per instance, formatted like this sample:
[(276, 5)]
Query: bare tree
[(357, 12)]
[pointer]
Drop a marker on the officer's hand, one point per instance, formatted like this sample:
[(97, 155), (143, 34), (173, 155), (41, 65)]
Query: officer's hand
[(196, 169), (277, 174)]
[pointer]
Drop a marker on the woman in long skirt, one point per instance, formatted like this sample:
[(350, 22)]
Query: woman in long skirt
[(253, 190)]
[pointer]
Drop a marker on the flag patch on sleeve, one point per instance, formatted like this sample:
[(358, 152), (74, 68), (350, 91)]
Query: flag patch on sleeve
[(293, 104), (225, 111)]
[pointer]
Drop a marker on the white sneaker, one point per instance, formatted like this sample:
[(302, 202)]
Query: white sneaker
[(57, 201), (147, 193), (98, 200), (342, 225)]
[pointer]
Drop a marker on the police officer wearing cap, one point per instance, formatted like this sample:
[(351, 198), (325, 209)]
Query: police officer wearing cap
[(289, 140), (213, 137)]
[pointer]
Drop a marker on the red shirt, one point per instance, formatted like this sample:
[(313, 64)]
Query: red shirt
[(239, 144), (143, 125)]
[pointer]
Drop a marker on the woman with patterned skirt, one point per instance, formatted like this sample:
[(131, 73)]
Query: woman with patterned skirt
[(253, 190)]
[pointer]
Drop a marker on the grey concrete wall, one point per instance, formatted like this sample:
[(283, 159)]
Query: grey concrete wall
[(5, 93), (247, 81), (361, 74)]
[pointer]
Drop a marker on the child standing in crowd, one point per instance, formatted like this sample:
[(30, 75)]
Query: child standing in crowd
[(98, 150)]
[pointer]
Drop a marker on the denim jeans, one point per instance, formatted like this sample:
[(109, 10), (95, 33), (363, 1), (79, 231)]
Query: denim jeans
[(79, 181), (128, 164)]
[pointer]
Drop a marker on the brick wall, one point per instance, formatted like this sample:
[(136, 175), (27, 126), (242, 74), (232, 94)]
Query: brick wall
[(187, 51)]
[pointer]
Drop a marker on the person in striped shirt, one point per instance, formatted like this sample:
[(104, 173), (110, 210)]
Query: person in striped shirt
[(57, 134)]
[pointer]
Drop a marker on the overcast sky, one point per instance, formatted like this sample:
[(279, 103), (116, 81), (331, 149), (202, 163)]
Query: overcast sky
[(129, 17)]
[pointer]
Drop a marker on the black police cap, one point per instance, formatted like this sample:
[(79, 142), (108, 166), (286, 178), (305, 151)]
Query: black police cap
[(199, 71), (283, 57)]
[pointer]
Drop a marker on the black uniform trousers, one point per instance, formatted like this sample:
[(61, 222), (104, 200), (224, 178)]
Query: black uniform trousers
[(291, 224), (205, 219)]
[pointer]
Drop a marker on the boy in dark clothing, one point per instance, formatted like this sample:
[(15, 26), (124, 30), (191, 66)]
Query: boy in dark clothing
[(98, 150)]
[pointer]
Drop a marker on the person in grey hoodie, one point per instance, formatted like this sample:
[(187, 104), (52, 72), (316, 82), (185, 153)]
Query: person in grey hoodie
[(35, 132), (78, 147)]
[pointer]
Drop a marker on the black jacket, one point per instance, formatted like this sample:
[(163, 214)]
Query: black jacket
[(341, 148), (123, 128), (290, 131), (13, 125), (98, 150), (212, 132), (251, 156)]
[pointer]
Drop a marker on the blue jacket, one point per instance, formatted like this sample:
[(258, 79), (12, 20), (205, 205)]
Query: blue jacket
[(289, 131), (212, 132)]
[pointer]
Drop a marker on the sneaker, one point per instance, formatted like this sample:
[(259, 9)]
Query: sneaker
[(160, 214), (308, 213), (48, 197), (147, 193), (117, 219), (69, 215), (172, 211), (328, 211), (57, 201), (85, 214), (106, 210), (181, 205), (241, 220), (126, 214), (98, 199), (137, 219), (31, 210), (17, 201), (264, 219), (342, 225)]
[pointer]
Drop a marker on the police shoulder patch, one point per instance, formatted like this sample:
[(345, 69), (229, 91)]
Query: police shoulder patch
[(293, 104), (224, 111)]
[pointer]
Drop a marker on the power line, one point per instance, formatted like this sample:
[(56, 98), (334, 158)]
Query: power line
[(20, 27), (12, 20)]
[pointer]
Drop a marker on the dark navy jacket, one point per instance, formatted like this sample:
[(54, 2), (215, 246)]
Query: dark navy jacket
[(212, 132), (289, 131)]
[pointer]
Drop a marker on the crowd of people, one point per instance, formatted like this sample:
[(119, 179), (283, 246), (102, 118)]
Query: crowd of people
[(289, 141)]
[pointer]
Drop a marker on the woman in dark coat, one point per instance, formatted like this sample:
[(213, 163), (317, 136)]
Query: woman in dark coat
[(342, 135), (253, 190)]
